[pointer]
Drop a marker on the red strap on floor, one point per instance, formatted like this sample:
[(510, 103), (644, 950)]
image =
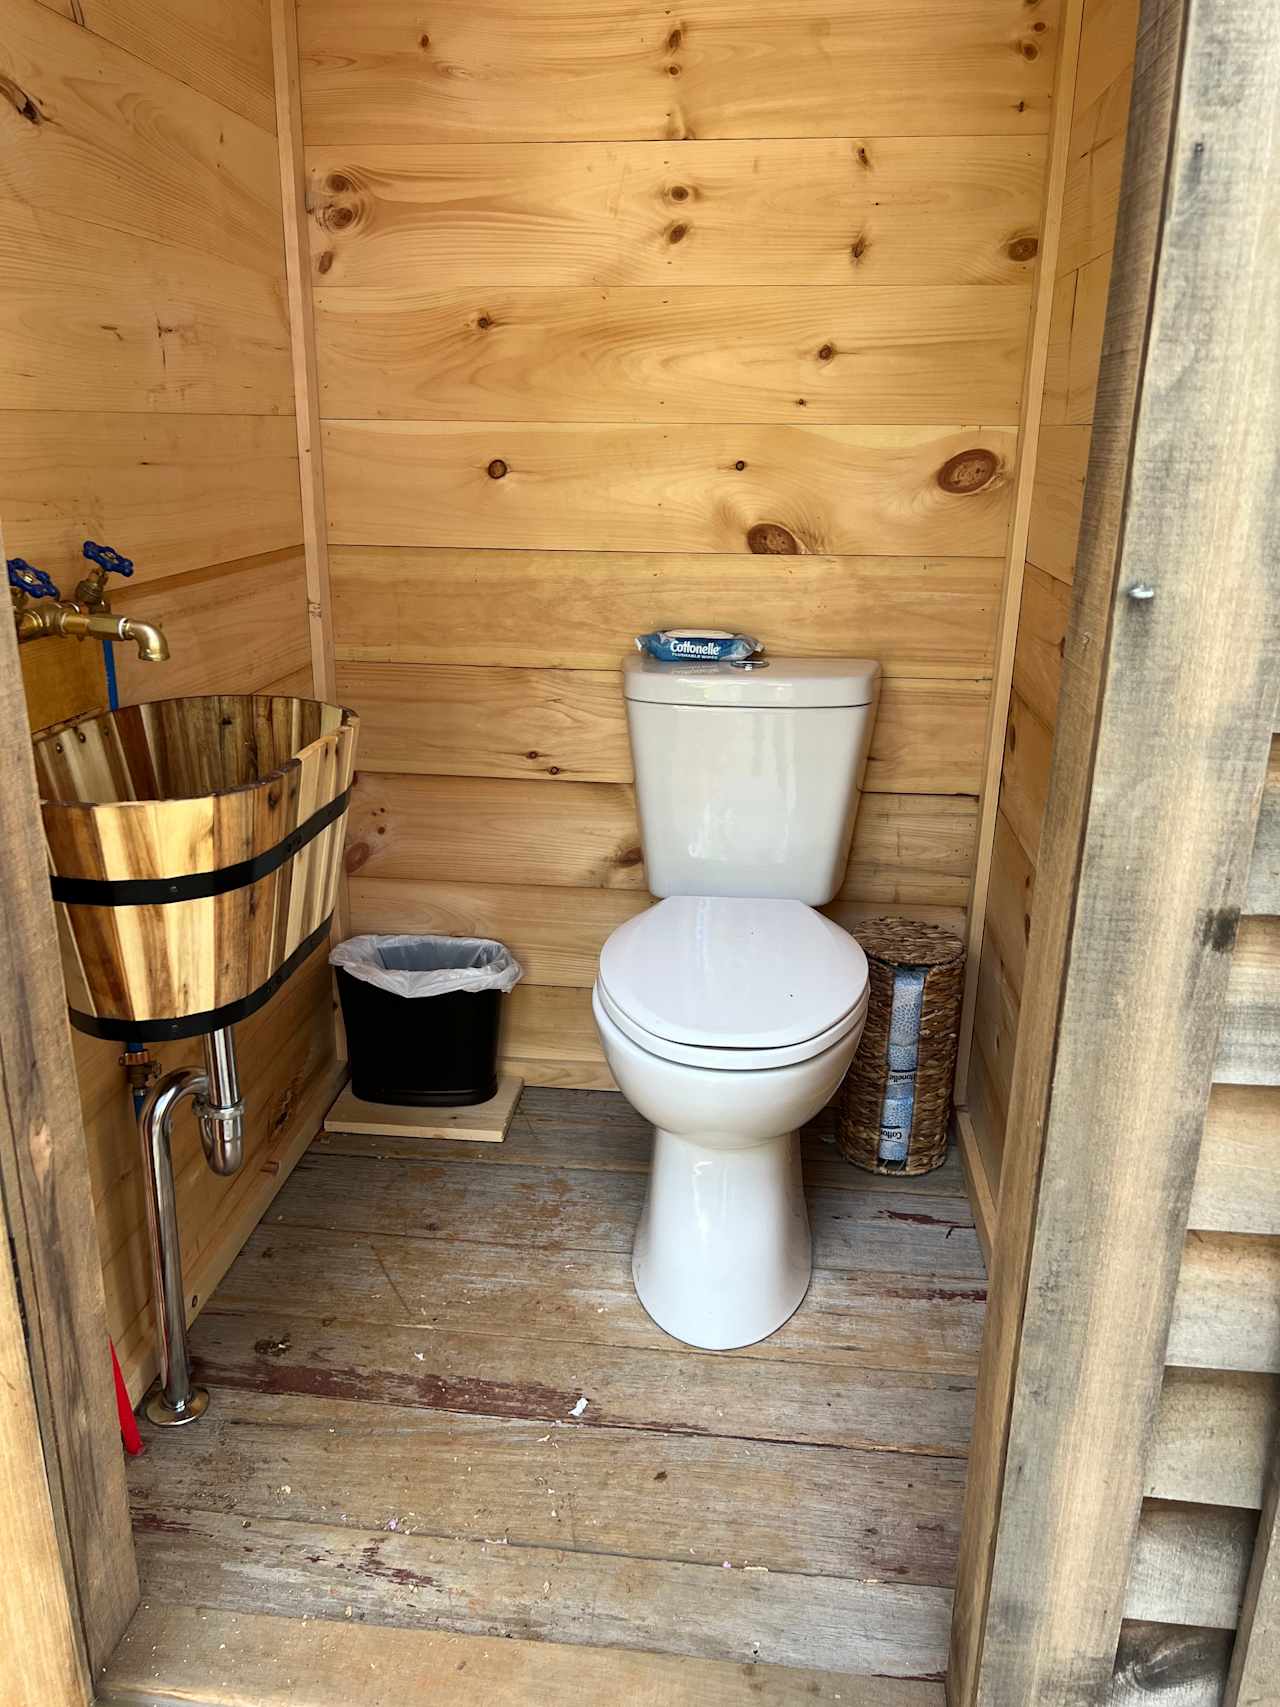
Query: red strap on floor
[(128, 1422)]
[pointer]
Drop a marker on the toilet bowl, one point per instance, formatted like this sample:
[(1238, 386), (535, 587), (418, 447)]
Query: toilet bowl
[(727, 1022)]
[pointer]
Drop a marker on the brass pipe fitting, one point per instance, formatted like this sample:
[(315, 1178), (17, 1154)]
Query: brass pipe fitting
[(33, 621)]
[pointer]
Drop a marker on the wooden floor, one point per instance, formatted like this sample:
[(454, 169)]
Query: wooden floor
[(438, 1405)]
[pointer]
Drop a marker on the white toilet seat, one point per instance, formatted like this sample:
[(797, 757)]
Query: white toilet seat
[(733, 983), (729, 1059)]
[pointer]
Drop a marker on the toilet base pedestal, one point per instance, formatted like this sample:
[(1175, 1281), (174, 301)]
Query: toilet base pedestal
[(722, 1255)]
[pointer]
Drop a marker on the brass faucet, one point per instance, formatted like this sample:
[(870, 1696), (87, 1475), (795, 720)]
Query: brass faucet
[(89, 614)]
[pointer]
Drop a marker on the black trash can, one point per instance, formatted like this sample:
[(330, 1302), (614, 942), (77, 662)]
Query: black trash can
[(422, 1015)]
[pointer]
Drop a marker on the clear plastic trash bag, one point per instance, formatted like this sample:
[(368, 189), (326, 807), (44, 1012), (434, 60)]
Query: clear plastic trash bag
[(416, 966)]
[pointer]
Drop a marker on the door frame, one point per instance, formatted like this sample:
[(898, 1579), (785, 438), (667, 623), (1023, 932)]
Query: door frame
[(1168, 702), (62, 1452)]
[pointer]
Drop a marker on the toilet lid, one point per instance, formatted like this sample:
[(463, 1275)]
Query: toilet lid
[(723, 972)]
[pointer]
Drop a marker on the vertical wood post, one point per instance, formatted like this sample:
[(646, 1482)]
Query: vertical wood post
[(302, 340), (1169, 698), (48, 1204), (1029, 417), (41, 1655)]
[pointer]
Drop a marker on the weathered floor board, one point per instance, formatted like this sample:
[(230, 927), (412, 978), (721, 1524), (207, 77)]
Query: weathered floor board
[(317, 1570), (545, 1380), (438, 1406), (592, 1210), (230, 1659)]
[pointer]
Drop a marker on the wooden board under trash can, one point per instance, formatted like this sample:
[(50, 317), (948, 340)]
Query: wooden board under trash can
[(481, 1122)]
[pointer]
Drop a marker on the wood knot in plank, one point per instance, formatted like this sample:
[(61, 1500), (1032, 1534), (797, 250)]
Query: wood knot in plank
[(497, 469), (20, 101), (677, 233), (771, 539), (858, 248), (968, 471), (1218, 929), (1024, 248)]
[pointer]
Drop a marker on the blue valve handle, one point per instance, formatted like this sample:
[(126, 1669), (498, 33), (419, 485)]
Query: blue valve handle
[(108, 560), (30, 580)]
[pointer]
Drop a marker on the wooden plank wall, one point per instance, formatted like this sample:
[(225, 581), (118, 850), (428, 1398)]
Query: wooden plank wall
[(630, 317), (146, 400), (1216, 1452), (1100, 107)]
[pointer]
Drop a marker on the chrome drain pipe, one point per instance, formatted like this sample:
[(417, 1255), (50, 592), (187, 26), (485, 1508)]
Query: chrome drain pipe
[(219, 1110)]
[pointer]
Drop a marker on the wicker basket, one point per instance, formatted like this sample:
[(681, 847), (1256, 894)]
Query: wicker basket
[(893, 1110)]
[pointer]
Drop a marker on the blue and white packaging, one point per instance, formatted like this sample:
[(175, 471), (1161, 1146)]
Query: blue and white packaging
[(698, 646)]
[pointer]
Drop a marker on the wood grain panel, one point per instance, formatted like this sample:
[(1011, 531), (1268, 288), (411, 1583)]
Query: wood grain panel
[(275, 1661), (875, 355), (91, 319), (1213, 1437), (597, 1210), (555, 934), (1107, 44), (63, 1503), (1263, 894), (1042, 640), (223, 49), (1024, 783), (1085, 358), (1249, 1041), (236, 627), (485, 1374), (789, 1508), (1190, 1564), (931, 1323), (1058, 501), (1092, 197), (1238, 1179), (61, 681), (930, 616), (592, 69), (571, 724), (433, 1583), (996, 1029), (176, 492), (878, 210), (119, 144), (1009, 902), (913, 848), (611, 488), (1227, 1307)]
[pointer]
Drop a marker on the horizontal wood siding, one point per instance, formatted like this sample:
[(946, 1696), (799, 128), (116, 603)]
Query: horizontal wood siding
[(146, 401), (624, 322), (567, 70)]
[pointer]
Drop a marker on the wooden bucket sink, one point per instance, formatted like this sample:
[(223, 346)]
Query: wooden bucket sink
[(194, 851)]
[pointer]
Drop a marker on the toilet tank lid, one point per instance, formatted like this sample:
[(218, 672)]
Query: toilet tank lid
[(782, 683)]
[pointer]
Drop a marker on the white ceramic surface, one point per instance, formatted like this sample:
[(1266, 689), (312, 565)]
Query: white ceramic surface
[(730, 1012), (747, 782), (722, 1255), (733, 972)]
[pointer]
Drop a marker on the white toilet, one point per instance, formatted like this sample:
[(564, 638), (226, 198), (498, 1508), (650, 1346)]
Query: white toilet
[(730, 1012)]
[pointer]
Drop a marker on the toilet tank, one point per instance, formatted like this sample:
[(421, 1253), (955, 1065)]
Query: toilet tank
[(748, 778)]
